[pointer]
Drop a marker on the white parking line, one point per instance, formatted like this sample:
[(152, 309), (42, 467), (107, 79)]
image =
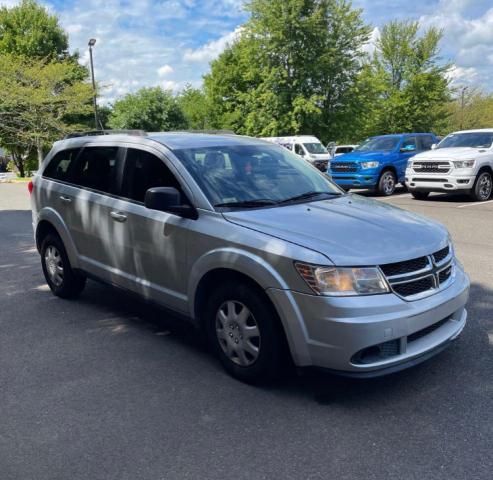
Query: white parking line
[(474, 204)]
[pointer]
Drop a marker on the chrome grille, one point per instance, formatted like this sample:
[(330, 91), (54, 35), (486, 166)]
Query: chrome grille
[(422, 276), (339, 167), (431, 167)]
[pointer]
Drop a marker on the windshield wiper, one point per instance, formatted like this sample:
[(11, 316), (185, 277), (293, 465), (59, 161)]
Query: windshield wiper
[(258, 202), (308, 195)]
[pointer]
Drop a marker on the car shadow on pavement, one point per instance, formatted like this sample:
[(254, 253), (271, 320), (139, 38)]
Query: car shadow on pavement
[(459, 361)]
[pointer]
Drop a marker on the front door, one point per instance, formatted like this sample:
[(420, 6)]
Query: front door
[(154, 242)]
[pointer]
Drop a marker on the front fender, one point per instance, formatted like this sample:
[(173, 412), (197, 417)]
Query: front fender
[(54, 218), (238, 260)]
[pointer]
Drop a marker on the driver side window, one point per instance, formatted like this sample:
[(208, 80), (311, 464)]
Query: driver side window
[(298, 149), (409, 143), (143, 170)]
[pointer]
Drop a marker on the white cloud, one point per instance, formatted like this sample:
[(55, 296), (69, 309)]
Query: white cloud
[(212, 49), (165, 70), (371, 45), (467, 41)]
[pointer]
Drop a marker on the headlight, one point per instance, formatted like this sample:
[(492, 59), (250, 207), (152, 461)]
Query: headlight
[(343, 281), (464, 163), (369, 164), (409, 164)]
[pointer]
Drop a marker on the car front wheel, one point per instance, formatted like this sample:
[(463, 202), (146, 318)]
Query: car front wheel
[(386, 184), (482, 187), (244, 332)]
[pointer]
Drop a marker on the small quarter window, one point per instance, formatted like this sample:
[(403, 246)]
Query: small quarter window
[(59, 166)]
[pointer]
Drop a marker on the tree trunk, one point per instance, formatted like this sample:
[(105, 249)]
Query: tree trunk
[(19, 164), (39, 148)]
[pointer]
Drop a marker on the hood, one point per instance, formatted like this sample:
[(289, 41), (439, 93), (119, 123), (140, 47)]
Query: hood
[(357, 156), (350, 230), (457, 153)]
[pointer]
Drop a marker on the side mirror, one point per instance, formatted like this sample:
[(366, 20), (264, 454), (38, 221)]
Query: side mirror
[(168, 199), (433, 146)]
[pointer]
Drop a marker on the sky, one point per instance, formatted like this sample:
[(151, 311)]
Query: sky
[(171, 42)]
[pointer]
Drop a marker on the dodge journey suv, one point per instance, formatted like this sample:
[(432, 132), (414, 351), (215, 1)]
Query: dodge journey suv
[(270, 260)]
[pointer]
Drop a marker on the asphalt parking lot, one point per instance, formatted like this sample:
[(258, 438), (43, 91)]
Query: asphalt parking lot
[(107, 387)]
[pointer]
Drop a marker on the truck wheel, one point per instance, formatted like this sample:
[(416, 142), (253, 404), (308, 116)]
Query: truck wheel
[(482, 187), (245, 333), (63, 281), (386, 184), (420, 195)]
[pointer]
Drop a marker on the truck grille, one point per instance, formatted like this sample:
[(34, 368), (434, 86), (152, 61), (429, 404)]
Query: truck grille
[(431, 167), (350, 167), (422, 276)]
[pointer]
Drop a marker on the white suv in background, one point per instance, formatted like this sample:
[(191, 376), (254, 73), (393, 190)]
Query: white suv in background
[(461, 162)]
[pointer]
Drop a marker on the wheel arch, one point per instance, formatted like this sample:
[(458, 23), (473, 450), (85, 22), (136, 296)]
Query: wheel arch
[(50, 221)]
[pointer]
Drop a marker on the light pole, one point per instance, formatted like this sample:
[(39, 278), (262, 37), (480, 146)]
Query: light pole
[(462, 104), (91, 44)]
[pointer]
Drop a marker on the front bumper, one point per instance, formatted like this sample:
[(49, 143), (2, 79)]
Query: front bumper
[(355, 180), (331, 332), (439, 182)]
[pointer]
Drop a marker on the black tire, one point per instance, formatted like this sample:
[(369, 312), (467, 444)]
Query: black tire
[(483, 186), (420, 195), (65, 283), (272, 350), (386, 183)]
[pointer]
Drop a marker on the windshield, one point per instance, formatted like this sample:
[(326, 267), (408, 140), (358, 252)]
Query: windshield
[(377, 144), (470, 139), (265, 174), (315, 148)]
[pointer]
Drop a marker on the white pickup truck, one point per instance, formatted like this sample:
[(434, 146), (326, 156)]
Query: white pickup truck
[(461, 162)]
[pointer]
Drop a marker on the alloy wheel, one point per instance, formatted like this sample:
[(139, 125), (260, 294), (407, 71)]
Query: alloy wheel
[(238, 333), (54, 265), (388, 183), (485, 186)]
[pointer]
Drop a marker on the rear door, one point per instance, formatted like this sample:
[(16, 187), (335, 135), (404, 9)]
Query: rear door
[(96, 182)]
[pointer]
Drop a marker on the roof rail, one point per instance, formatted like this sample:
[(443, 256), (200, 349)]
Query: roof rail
[(93, 133), (209, 132)]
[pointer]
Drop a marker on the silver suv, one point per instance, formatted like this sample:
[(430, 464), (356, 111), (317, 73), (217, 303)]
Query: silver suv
[(262, 252)]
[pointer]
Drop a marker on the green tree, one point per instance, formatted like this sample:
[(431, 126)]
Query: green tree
[(291, 69), (408, 83), (150, 109), (38, 96), (29, 30), (195, 107)]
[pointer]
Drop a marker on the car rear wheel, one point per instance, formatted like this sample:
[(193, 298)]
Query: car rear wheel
[(420, 195), (63, 281), (244, 333), (386, 184), (482, 187)]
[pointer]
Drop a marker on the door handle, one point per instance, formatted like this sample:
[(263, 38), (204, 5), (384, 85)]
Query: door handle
[(118, 216), (65, 199)]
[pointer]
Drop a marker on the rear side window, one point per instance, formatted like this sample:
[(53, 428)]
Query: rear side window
[(96, 168), (409, 142), (59, 166), (143, 170), (426, 142)]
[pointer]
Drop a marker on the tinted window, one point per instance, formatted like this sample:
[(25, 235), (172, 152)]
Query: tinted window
[(96, 168), (143, 171), (58, 168), (298, 149), (426, 142), (409, 143)]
